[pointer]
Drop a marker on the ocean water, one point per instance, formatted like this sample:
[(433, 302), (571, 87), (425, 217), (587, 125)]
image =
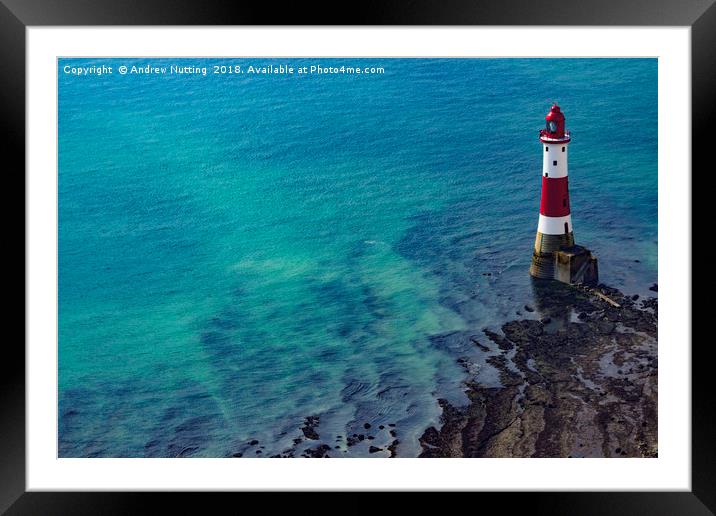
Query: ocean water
[(238, 252)]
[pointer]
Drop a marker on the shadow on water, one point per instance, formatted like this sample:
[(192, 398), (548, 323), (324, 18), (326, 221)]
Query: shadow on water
[(558, 304), (549, 297)]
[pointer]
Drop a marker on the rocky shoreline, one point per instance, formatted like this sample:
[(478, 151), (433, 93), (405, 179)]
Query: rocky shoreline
[(579, 382), (577, 378)]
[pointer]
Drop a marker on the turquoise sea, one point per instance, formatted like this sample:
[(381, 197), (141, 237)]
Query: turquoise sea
[(238, 252)]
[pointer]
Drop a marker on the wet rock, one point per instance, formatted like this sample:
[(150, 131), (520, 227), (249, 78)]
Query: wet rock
[(519, 332), (310, 433), (374, 449), (318, 452), (309, 427), (605, 327), (431, 437), (501, 342), (528, 308), (393, 448)]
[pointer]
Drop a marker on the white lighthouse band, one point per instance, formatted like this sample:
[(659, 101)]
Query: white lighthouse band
[(554, 225), (554, 159)]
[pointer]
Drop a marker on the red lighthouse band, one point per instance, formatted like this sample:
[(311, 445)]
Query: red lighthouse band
[(555, 197)]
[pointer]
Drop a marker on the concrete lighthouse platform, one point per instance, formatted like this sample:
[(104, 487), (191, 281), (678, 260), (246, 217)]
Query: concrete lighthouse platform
[(576, 265)]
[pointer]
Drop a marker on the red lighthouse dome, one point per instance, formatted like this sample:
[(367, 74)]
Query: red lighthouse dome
[(554, 131)]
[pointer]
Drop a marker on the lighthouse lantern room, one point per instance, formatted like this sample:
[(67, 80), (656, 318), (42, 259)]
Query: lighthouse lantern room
[(555, 254)]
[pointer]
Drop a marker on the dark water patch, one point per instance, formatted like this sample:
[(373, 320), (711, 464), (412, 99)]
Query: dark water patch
[(190, 436), (354, 388), (226, 321), (188, 426), (458, 342), (475, 269), (76, 408), (215, 340), (109, 419)]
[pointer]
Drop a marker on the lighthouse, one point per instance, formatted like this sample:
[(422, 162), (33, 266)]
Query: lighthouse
[(555, 254)]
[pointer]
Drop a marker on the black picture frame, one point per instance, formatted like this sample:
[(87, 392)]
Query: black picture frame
[(17, 15)]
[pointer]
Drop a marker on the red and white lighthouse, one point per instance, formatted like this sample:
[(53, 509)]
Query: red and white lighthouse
[(554, 245)]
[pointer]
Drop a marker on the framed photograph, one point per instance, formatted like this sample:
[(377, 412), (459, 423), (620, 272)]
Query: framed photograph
[(447, 248)]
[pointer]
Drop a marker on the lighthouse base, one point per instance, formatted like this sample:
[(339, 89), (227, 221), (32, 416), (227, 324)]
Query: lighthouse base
[(543, 265), (572, 264)]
